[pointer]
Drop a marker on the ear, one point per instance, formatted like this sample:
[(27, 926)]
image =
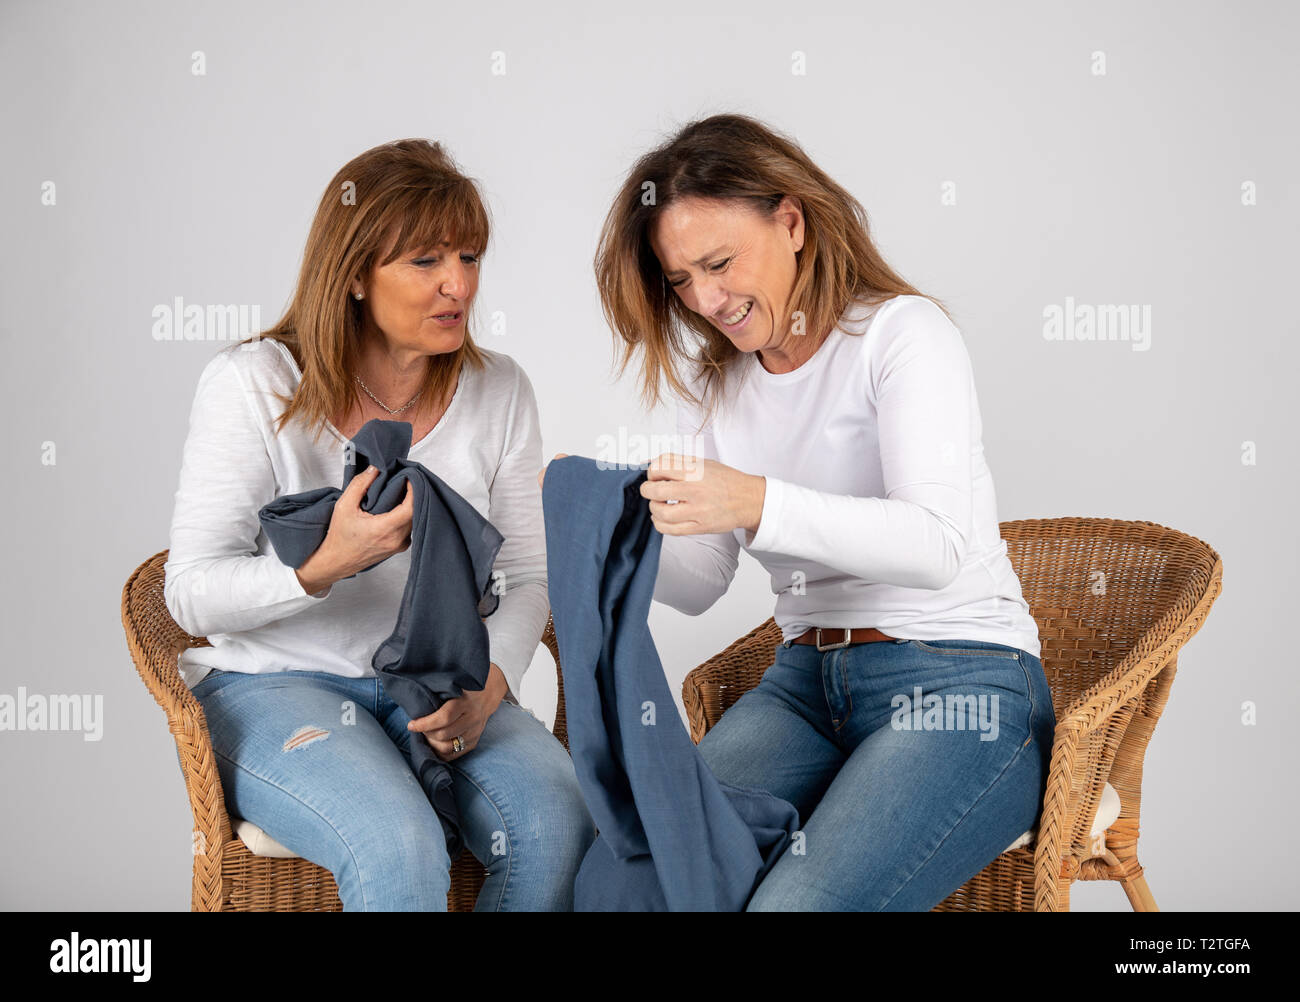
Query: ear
[(789, 213)]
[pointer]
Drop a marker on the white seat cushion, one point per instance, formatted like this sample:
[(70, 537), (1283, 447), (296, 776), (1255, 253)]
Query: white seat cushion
[(261, 844), (1107, 812)]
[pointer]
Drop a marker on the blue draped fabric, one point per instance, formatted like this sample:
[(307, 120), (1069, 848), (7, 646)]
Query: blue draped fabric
[(671, 836), (439, 646)]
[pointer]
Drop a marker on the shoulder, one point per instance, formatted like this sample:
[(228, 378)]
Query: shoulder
[(912, 338), (263, 365), (503, 393), (243, 386), (907, 326), (502, 374), (908, 316), (245, 382)]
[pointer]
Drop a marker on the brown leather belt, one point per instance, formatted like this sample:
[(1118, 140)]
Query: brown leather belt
[(834, 637)]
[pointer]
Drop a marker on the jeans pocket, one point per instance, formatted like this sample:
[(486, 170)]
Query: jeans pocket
[(968, 648), (1040, 696)]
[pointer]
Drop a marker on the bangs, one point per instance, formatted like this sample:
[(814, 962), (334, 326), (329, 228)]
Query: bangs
[(454, 213)]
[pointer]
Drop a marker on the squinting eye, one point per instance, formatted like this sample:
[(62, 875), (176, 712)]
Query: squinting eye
[(422, 262), (720, 265)]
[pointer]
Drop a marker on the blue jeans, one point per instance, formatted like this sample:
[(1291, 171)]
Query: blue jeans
[(900, 803), (321, 764)]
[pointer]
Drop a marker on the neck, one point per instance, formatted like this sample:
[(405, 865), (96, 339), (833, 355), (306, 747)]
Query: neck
[(796, 350), (393, 376)]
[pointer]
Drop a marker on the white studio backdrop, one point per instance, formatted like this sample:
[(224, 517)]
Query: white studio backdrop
[(1014, 158)]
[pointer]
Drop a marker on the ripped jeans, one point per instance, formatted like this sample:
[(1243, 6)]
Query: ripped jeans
[(320, 763), (900, 801)]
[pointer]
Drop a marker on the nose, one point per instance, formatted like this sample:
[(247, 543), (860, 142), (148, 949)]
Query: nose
[(710, 297), (455, 281)]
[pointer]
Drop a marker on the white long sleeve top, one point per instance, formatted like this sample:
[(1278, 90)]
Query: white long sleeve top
[(879, 509), (223, 579)]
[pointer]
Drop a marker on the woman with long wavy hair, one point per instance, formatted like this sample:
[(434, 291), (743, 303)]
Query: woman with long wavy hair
[(309, 746), (837, 438)]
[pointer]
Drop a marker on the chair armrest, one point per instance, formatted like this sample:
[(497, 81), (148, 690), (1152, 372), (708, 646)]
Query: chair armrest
[(155, 642), (709, 689), (560, 729), (1089, 734)]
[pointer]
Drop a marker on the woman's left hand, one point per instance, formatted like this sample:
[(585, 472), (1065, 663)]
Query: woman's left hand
[(463, 717), (710, 497)]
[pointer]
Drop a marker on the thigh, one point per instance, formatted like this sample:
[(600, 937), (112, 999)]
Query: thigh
[(929, 796), (302, 756), (777, 737), (518, 778), (519, 801)]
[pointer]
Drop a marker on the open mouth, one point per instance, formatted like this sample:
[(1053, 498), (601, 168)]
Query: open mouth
[(449, 318), (739, 317)]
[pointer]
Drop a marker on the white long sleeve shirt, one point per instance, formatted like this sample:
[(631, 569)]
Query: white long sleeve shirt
[(879, 509), (223, 579)]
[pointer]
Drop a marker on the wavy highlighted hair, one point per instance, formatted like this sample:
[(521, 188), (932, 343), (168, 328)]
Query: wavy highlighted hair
[(405, 196), (731, 158)]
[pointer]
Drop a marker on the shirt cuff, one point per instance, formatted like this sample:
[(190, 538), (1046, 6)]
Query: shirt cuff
[(768, 534)]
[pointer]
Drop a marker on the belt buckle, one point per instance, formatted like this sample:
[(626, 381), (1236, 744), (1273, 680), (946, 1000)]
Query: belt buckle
[(848, 636)]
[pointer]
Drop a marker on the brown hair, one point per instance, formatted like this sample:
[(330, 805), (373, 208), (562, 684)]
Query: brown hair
[(410, 187), (730, 158)]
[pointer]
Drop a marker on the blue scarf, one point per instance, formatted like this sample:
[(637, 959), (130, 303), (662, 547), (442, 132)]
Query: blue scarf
[(439, 647), (672, 837)]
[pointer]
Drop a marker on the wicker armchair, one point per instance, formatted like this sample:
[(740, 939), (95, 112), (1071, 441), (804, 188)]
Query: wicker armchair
[(1115, 601), (227, 875)]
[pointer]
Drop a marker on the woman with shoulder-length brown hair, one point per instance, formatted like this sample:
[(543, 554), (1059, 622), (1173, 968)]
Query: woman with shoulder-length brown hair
[(837, 438), (309, 746)]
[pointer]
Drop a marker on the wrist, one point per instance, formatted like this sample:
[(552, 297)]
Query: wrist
[(758, 494), (497, 686), (313, 582)]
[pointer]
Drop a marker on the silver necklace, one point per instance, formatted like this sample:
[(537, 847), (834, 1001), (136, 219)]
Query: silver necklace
[(381, 403)]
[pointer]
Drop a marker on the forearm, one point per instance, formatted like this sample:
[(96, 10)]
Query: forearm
[(694, 571), (515, 629), (915, 542), (233, 594)]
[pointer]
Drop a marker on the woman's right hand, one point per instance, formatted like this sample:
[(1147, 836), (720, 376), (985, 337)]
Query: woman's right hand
[(357, 539)]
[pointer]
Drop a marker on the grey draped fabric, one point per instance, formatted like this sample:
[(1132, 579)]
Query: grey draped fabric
[(439, 646)]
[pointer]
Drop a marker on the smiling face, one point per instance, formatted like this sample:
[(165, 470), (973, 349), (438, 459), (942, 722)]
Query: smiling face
[(418, 303), (732, 265)]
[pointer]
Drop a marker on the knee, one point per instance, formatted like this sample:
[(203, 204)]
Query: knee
[(787, 890), (553, 829), (395, 866), (725, 754), (777, 893)]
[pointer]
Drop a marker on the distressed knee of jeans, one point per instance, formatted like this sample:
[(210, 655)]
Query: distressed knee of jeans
[(305, 735)]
